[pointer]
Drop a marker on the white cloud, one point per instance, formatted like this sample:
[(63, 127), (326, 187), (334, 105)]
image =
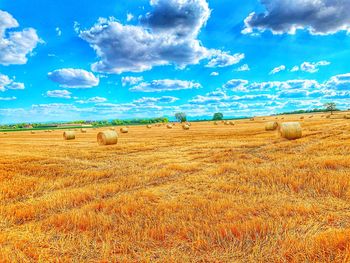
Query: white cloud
[(129, 17), (285, 16), (278, 69), (63, 94), (126, 81), (236, 85), (220, 59), (9, 84), (58, 31), (165, 85), (153, 100), (168, 35), (313, 67), (214, 74), (74, 78), (92, 100), (244, 67), (295, 69), (7, 98), (15, 46)]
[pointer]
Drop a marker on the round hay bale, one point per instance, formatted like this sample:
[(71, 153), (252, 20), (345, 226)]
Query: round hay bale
[(216, 123), (302, 117), (149, 126), (112, 129), (124, 130), (271, 126), (188, 123), (231, 123), (252, 119), (311, 116), (32, 132), (347, 117), (290, 130), (328, 116), (69, 135), (83, 130), (107, 137), (185, 127), (226, 123), (169, 126)]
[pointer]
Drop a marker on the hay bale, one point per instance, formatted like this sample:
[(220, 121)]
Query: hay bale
[(169, 126), (32, 132), (252, 119), (124, 130), (188, 123), (328, 116), (271, 126), (83, 130), (216, 123), (311, 116), (290, 130), (107, 137), (302, 117), (69, 135), (231, 123), (149, 126), (226, 123), (112, 129), (185, 127), (347, 117)]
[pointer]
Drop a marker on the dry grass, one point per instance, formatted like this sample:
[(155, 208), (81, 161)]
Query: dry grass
[(211, 194)]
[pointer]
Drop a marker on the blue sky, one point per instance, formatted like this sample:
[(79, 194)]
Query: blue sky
[(71, 60)]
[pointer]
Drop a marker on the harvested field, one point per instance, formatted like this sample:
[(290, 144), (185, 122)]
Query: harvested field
[(214, 193)]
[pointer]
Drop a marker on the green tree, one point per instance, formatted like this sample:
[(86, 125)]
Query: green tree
[(181, 116), (218, 116), (330, 106)]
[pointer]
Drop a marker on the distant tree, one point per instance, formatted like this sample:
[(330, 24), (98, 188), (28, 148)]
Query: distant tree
[(218, 116), (330, 106), (181, 116)]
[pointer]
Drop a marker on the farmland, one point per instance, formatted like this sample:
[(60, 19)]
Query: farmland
[(214, 193)]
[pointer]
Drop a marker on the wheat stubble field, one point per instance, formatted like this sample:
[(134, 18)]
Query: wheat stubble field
[(209, 194)]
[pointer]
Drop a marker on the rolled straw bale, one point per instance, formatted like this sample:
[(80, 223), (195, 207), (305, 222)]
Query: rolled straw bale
[(290, 130), (124, 130), (149, 126), (83, 130), (302, 117), (32, 132), (185, 127), (231, 123), (328, 116), (347, 117), (252, 119), (112, 129), (169, 126), (216, 123), (69, 135), (271, 126), (226, 123), (188, 123), (311, 116), (107, 137)]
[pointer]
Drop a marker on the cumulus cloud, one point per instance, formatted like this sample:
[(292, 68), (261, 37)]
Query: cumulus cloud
[(313, 67), (63, 94), (278, 69), (129, 17), (244, 67), (7, 83), (74, 78), (236, 85), (168, 35), (15, 46), (285, 16), (214, 74), (131, 80), (220, 59), (165, 85)]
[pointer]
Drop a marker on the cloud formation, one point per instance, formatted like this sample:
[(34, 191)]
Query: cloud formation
[(278, 69), (9, 84), (15, 46), (74, 78), (7, 98), (168, 35), (62, 94), (319, 17), (165, 85), (153, 100), (126, 81)]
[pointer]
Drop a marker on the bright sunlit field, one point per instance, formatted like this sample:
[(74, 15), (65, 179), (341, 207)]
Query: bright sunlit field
[(209, 194)]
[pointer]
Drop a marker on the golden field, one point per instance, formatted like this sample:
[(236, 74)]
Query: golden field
[(209, 194)]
